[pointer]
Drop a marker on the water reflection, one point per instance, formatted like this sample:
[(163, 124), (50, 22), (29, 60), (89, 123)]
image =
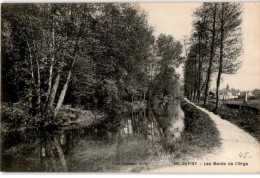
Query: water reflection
[(138, 135), (164, 119)]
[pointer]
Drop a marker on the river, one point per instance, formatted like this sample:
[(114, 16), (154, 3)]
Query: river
[(112, 145)]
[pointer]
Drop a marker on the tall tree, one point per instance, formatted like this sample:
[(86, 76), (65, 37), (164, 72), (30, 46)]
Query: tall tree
[(200, 36), (168, 52), (199, 52), (212, 52), (230, 41)]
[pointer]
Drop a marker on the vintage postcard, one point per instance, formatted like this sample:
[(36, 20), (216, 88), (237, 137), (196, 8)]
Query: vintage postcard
[(130, 87)]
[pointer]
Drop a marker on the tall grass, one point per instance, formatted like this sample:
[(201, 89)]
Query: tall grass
[(119, 155)]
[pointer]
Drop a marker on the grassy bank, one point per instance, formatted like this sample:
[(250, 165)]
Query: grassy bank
[(245, 119), (199, 137), (200, 131), (131, 154), (251, 102)]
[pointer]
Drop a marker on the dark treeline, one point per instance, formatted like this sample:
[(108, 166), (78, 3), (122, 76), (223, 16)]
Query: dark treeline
[(92, 56), (214, 47), (90, 53)]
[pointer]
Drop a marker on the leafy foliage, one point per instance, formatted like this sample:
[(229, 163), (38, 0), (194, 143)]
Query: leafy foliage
[(215, 46)]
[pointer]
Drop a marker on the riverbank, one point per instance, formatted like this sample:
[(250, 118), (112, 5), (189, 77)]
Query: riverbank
[(200, 137), (92, 150), (245, 119)]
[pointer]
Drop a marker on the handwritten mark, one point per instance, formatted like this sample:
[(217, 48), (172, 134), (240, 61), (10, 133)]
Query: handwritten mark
[(244, 155)]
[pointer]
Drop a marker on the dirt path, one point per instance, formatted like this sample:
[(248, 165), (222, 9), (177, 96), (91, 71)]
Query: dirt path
[(238, 147)]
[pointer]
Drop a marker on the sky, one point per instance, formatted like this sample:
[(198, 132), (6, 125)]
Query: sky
[(176, 19)]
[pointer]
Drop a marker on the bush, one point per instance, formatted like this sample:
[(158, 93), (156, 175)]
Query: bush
[(15, 120)]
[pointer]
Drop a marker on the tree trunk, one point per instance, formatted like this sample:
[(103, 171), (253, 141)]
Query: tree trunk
[(51, 67), (30, 97), (138, 128), (63, 93), (31, 60), (49, 83), (33, 90), (220, 56), (190, 94), (65, 87), (199, 81), (199, 93), (212, 48), (38, 85), (54, 91), (194, 95), (200, 66), (201, 86), (152, 130)]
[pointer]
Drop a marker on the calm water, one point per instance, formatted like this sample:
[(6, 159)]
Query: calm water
[(128, 140)]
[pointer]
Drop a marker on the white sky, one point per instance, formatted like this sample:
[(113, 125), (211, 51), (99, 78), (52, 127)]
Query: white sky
[(176, 19)]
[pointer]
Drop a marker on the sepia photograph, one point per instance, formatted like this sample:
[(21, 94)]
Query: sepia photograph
[(130, 87)]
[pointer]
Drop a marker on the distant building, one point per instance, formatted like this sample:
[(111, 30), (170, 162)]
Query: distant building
[(256, 93), (250, 94), (228, 96)]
